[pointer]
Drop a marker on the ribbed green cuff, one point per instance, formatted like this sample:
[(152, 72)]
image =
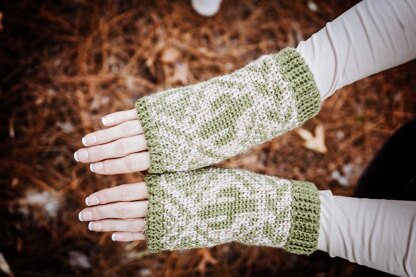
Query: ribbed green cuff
[(155, 223), (300, 79), (151, 135), (304, 232)]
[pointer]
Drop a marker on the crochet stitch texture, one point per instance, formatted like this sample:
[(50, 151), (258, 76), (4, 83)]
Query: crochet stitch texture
[(212, 206), (198, 125)]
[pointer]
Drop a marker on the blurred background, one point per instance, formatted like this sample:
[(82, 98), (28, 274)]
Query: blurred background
[(65, 63)]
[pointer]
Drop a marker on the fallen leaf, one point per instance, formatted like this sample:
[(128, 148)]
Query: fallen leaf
[(48, 201), (66, 127), (181, 73), (15, 182), (4, 266), (348, 172), (79, 259), (12, 133), (170, 55), (130, 83), (341, 179), (206, 259), (145, 272), (312, 6), (1, 21), (314, 142)]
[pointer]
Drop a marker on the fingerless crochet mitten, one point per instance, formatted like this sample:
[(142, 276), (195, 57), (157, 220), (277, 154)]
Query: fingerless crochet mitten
[(212, 206), (198, 125)]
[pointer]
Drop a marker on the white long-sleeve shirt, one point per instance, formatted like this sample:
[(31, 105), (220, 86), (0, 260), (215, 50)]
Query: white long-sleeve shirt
[(372, 36)]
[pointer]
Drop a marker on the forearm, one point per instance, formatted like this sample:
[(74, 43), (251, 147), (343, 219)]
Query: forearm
[(373, 36), (377, 233)]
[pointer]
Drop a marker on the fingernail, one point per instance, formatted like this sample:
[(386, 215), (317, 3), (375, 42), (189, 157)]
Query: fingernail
[(85, 216), (91, 201), (107, 120), (116, 237), (95, 226), (96, 166), (76, 157), (89, 140), (81, 154)]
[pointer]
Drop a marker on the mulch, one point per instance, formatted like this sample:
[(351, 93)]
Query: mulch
[(64, 64)]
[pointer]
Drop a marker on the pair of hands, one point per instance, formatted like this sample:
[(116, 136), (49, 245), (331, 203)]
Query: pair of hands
[(119, 149)]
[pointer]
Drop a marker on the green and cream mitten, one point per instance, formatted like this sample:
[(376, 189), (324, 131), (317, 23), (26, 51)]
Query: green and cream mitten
[(212, 206), (198, 125)]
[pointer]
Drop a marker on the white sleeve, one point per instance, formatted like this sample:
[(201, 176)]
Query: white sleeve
[(372, 36), (379, 233)]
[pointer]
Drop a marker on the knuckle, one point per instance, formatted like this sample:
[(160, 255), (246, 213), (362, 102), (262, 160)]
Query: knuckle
[(102, 135), (108, 166), (131, 163), (142, 142), (103, 196), (122, 147), (134, 225), (123, 212), (92, 153), (95, 212), (128, 237), (105, 226), (123, 193), (126, 128)]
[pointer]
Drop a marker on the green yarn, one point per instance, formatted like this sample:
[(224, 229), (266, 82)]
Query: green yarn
[(155, 224), (199, 125), (211, 206), (303, 237), (300, 80)]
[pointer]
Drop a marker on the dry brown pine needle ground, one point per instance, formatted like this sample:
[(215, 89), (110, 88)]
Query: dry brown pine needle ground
[(64, 64)]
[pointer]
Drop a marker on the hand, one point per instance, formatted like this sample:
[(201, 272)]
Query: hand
[(118, 149), (120, 210)]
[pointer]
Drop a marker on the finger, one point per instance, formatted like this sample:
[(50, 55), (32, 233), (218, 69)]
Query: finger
[(119, 117), (122, 225), (115, 149), (126, 236), (123, 130), (122, 193), (131, 163), (123, 210)]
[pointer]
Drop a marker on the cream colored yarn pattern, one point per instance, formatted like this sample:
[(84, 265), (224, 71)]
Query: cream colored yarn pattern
[(198, 125), (211, 206)]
